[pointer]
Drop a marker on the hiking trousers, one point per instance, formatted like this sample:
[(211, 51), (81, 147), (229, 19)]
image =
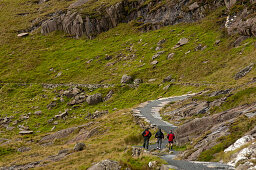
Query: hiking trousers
[(159, 142), (146, 142)]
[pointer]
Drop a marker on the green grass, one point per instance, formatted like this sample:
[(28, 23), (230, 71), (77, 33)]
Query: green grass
[(5, 151), (39, 59)]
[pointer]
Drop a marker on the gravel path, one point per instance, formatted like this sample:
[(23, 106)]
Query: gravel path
[(149, 111)]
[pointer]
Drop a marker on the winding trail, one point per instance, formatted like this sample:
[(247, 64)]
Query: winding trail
[(149, 111)]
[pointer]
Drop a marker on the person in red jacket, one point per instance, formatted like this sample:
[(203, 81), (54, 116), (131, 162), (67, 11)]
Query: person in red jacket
[(170, 138)]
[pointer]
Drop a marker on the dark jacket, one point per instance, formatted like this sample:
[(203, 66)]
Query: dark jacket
[(146, 134), (159, 134)]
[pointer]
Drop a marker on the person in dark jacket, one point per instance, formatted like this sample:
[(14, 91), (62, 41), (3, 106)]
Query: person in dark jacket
[(159, 136), (170, 138), (146, 135)]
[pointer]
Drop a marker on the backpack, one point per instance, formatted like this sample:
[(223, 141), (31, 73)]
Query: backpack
[(146, 133), (159, 134)]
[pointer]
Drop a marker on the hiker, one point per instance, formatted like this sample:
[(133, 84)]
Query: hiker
[(159, 136), (146, 134), (170, 138)]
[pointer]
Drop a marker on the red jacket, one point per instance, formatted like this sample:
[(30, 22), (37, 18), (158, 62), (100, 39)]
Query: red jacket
[(170, 137)]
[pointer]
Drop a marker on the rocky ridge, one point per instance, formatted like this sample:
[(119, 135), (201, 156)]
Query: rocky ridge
[(149, 16)]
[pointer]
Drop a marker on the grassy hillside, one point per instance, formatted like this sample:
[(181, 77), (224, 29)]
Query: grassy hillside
[(199, 65)]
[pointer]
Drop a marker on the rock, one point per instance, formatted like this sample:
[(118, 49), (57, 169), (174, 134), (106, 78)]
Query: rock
[(94, 99), (15, 122), (137, 81), (193, 6), (78, 99), (59, 74), (240, 142), (77, 4), (62, 115), (167, 87), (239, 40), (30, 165), (155, 56), (23, 149), (244, 155), (158, 48), (106, 165), (23, 34), (53, 128), (55, 123), (64, 151), (136, 152), (181, 42), (161, 42), (151, 80), (230, 3), (85, 134), (217, 42), (200, 47), (126, 79), (152, 164), (109, 95), (25, 132), (39, 112), (75, 24), (244, 71), (22, 127), (246, 166), (154, 62), (96, 114), (58, 135), (79, 147), (221, 92), (167, 79), (170, 56), (52, 105), (9, 128), (72, 92)]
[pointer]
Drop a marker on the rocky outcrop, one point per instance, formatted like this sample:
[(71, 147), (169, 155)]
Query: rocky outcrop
[(58, 135), (149, 16), (203, 133), (244, 71), (241, 21)]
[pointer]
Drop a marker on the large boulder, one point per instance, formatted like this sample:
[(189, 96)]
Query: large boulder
[(94, 99), (106, 165)]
